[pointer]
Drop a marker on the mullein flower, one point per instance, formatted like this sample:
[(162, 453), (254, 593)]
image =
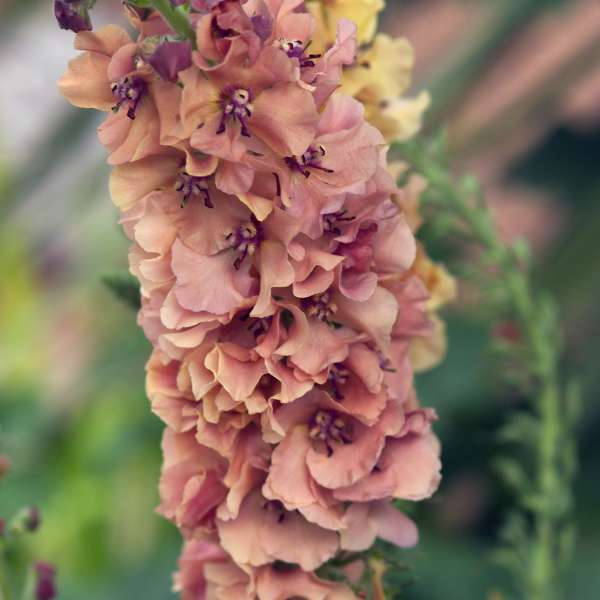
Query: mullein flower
[(281, 286), (379, 78), (205, 570), (362, 12)]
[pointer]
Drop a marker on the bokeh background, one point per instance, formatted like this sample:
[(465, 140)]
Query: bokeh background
[(517, 83)]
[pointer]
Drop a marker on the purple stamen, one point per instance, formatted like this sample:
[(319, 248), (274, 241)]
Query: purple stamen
[(338, 376), (277, 184), (333, 221), (320, 306), (190, 185), (276, 507), (328, 428), (296, 49), (311, 159), (129, 92), (236, 105), (246, 239), (385, 364), (260, 326)]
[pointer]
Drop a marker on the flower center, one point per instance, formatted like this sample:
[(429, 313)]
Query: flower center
[(321, 306), (297, 49), (328, 428), (275, 507), (190, 185), (236, 106), (260, 326), (128, 92), (311, 159), (338, 376), (245, 239), (332, 222)]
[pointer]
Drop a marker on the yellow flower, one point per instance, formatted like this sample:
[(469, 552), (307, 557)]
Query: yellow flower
[(362, 12), (381, 75), (383, 70), (399, 119), (441, 285), (426, 353)]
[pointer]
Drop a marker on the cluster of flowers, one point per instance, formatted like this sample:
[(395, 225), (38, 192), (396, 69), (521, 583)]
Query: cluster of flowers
[(282, 287)]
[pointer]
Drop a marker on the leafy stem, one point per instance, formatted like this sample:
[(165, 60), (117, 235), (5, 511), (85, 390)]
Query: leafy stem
[(535, 537)]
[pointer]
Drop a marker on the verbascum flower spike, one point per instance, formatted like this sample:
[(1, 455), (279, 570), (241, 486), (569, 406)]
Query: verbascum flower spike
[(278, 288)]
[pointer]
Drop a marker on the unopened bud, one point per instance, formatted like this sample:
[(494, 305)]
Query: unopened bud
[(33, 519), (168, 57), (28, 519), (45, 588), (73, 15)]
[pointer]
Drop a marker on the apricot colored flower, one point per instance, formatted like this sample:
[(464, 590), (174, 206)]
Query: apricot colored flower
[(286, 299)]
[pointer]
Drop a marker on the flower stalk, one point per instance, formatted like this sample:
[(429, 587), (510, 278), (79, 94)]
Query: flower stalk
[(262, 218), (543, 494), (177, 19)]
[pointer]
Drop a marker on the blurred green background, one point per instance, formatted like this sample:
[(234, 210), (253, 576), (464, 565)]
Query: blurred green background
[(517, 82)]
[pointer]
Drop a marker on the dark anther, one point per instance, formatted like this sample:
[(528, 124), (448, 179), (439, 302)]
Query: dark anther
[(129, 92), (245, 239), (190, 185), (333, 221), (277, 184), (236, 105)]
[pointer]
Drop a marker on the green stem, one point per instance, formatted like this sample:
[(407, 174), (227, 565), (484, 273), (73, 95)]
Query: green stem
[(4, 589), (541, 340), (29, 585), (176, 18)]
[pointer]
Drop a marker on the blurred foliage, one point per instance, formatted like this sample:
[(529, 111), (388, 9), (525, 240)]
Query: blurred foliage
[(85, 447)]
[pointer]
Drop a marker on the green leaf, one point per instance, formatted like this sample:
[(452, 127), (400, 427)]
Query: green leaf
[(124, 286), (521, 427), (512, 473)]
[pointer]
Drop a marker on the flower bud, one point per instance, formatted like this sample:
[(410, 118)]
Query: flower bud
[(45, 588), (4, 465), (168, 57), (28, 519), (32, 519), (73, 15)]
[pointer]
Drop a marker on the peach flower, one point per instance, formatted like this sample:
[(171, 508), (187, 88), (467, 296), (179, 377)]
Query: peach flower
[(282, 289)]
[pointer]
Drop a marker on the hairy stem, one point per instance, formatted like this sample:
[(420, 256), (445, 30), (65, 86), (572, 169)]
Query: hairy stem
[(540, 339), (176, 18)]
